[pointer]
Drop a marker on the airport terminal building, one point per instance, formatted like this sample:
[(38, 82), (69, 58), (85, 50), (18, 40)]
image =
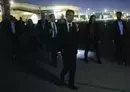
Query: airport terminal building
[(30, 11), (27, 11)]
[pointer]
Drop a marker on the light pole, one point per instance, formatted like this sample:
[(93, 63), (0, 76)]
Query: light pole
[(87, 13), (5, 5)]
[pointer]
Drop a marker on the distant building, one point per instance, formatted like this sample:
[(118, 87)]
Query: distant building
[(27, 11)]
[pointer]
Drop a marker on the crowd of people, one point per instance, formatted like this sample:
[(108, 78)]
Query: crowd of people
[(62, 36)]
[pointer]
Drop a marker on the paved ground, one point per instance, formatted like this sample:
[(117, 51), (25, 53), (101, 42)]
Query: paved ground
[(107, 77)]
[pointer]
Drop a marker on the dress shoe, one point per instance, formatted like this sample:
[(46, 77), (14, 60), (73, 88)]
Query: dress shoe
[(62, 83), (99, 62), (85, 60), (73, 87)]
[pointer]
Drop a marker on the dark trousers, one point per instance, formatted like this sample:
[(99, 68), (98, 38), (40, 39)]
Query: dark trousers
[(54, 50), (15, 45), (92, 46), (120, 51), (69, 64), (54, 55)]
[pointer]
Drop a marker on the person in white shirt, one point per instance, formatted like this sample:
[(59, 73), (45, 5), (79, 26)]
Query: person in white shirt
[(52, 38), (119, 38)]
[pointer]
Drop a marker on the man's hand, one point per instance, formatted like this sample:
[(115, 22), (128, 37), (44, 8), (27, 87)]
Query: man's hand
[(113, 41), (77, 26)]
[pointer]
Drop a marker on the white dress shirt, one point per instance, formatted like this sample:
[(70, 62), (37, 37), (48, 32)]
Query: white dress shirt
[(13, 27), (43, 23), (77, 26), (120, 24), (54, 27)]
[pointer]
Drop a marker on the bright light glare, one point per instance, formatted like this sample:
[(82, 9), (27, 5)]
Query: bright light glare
[(34, 18), (105, 10), (0, 13), (105, 16), (93, 12), (27, 13), (114, 11), (57, 8), (11, 2), (88, 9), (127, 14), (58, 14), (80, 54)]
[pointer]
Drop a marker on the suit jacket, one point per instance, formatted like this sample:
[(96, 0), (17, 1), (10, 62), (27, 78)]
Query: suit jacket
[(52, 41), (28, 39), (41, 30), (116, 31), (21, 28), (40, 26), (8, 39), (95, 34), (6, 27), (49, 29), (21, 22), (68, 39)]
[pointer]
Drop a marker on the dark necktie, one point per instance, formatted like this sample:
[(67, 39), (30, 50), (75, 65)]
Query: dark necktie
[(54, 29), (70, 27), (91, 29)]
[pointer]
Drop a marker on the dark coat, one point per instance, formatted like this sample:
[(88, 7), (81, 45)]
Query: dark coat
[(68, 39)]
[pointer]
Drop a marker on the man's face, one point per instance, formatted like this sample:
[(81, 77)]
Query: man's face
[(118, 16), (93, 19), (70, 16), (62, 16), (52, 18), (11, 18), (43, 16), (21, 19), (30, 22)]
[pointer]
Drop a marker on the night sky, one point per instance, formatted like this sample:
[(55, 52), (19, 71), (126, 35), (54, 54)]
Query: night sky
[(93, 4)]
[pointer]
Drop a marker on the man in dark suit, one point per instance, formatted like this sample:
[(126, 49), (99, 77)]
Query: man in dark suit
[(21, 25), (21, 21), (52, 29), (10, 31), (68, 41), (40, 27), (62, 19), (119, 37)]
